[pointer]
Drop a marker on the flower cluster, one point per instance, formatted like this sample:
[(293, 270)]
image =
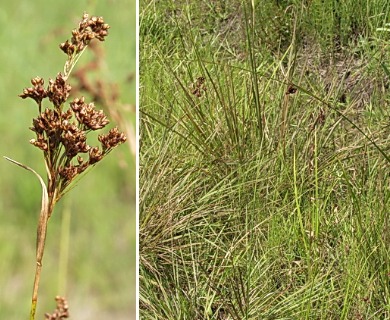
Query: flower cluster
[(89, 28), (61, 312), (87, 115), (58, 90), (61, 133), (38, 93)]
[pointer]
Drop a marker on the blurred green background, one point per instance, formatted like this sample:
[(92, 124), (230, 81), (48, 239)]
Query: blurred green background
[(98, 274)]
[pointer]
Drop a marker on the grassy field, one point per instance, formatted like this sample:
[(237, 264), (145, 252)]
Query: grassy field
[(264, 159), (90, 249)]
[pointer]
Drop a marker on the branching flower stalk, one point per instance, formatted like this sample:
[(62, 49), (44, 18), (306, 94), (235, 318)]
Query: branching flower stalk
[(61, 133)]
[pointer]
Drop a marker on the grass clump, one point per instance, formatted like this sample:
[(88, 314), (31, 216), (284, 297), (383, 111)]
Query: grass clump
[(264, 185)]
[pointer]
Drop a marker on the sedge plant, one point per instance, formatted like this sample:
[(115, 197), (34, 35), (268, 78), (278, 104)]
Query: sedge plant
[(263, 195), (61, 131)]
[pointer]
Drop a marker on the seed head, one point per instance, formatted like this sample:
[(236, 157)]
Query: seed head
[(74, 140), (89, 28), (112, 139), (95, 155), (38, 92), (58, 90), (61, 312), (87, 115)]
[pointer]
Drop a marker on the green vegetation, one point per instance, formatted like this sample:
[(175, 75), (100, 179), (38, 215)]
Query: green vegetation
[(264, 160), (90, 248)]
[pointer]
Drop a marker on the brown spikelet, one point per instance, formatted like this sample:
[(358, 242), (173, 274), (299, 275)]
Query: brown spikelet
[(61, 312)]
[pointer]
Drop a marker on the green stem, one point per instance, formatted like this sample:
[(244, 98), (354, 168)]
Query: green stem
[(46, 209)]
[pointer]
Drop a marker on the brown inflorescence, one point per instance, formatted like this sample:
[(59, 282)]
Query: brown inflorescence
[(89, 28), (62, 133), (71, 171), (112, 139), (95, 155), (48, 127), (87, 114), (38, 92), (74, 140), (61, 312), (58, 90)]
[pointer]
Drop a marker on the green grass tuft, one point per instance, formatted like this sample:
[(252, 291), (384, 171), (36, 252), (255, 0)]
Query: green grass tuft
[(264, 156)]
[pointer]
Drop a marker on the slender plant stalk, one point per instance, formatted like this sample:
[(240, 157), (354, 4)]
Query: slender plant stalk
[(62, 136), (64, 247), (41, 236)]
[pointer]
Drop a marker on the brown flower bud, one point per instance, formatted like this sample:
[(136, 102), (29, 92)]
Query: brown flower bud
[(58, 90), (112, 139), (95, 155), (74, 140), (87, 115), (68, 48), (61, 312), (38, 92)]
